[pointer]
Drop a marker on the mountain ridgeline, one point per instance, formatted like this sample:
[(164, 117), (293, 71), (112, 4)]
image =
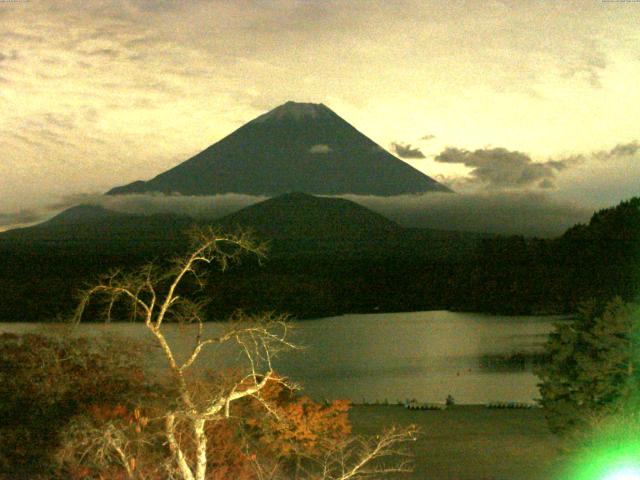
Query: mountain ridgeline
[(312, 240), (291, 222), (296, 147), (330, 256), (292, 216), (95, 227)]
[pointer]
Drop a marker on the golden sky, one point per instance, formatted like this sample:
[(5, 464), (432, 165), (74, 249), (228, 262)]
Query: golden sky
[(95, 94)]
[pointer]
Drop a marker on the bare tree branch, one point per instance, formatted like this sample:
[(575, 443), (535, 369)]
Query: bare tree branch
[(367, 458)]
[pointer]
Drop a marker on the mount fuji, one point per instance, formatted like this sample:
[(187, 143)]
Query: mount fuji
[(296, 147)]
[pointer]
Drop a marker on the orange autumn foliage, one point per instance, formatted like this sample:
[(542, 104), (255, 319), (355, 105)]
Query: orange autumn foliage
[(297, 425), (226, 453), (275, 429)]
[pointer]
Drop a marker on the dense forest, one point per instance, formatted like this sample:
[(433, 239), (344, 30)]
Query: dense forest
[(402, 270)]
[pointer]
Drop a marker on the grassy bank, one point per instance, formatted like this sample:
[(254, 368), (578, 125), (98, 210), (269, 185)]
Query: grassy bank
[(470, 442)]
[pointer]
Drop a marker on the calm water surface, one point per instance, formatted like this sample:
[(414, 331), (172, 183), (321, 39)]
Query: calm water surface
[(393, 356)]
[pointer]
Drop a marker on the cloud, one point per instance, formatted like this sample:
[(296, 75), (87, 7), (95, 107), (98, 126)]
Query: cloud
[(587, 64), (103, 52), (511, 213), (26, 217), (8, 56), (320, 148), (66, 201), (499, 168), (406, 150), (601, 178), (61, 120), (620, 151), (18, 218), (428, 137), (207, 207), (199, 207), (563, 164), (522, 213)]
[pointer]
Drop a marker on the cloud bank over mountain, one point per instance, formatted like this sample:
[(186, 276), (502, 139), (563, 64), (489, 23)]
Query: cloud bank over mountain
[(200, 207), (19, 217), (511, 213), (505, 192), (521, 213)]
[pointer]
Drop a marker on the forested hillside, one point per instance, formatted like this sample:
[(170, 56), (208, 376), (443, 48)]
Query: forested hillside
[(393, 269)]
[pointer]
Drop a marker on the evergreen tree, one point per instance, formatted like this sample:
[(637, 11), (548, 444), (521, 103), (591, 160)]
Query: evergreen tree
[(591, 368)]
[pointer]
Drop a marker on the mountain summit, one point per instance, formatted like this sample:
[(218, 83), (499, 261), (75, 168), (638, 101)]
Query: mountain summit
[(296, 111), (302, 147), (301, 216)]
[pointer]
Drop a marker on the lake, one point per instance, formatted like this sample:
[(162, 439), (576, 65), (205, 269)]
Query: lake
[(392, 356)]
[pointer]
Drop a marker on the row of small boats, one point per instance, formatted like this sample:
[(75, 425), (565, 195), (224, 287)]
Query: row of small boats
[(415, 405)]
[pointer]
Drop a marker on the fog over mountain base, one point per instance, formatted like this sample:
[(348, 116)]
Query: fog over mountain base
[(512, 213)]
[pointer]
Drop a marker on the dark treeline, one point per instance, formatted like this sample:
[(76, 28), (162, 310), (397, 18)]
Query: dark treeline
[(595, 261), (402, 271)]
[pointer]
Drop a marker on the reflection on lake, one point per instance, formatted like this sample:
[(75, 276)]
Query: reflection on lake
[(394, 356)]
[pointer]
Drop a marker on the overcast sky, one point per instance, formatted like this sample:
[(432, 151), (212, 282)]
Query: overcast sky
[(538, 97)]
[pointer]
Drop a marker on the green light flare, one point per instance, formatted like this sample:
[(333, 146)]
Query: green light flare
[(607, 459), (610, 448), (624, 473)]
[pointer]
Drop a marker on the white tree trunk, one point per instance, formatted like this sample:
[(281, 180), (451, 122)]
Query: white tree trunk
[(201, 448), (177, 452)]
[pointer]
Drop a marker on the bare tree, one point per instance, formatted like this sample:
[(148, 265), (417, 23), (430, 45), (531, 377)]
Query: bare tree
[(364, 458), (154, 297)]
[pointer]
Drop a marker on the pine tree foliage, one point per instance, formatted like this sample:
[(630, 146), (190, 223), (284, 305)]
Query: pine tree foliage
[(592, 365)]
